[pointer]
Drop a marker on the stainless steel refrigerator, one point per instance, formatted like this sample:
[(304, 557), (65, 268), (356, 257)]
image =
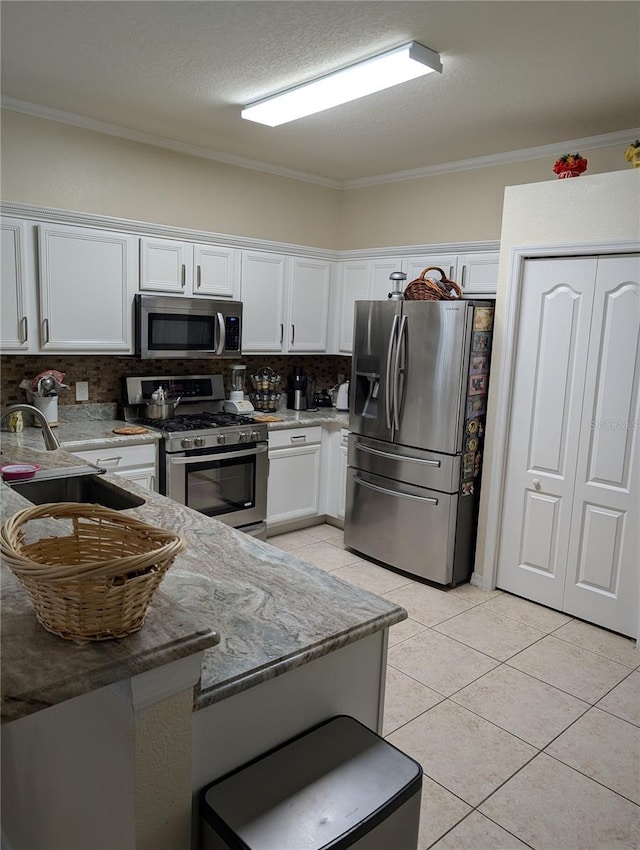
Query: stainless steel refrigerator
[(419, 380)]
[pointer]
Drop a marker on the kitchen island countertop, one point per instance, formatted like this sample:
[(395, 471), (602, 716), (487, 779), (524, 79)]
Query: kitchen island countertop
[(271, 612)]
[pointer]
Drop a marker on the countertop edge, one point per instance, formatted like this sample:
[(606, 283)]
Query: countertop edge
[(23, 705), (205, 698)]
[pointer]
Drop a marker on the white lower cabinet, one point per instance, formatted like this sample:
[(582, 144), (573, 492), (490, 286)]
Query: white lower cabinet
[(137, 463), (294, 474), (334, 467)]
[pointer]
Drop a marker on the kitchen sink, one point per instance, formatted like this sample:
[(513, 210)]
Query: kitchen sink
[(91, 489)]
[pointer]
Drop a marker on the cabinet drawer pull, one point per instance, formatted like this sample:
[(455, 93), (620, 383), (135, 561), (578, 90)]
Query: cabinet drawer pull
[(24, 333), (301, 437), (115, 460)]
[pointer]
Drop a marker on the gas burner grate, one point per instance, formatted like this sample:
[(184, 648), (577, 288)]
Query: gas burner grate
[(198, 421)]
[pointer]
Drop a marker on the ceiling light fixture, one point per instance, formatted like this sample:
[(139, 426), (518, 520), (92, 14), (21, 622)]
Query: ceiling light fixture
[(370, 75)]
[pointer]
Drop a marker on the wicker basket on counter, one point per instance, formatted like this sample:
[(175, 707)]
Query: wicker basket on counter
[(95, 583), (424, 288)]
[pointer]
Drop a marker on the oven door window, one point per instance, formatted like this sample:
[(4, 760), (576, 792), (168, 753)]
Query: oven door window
[(181, 332), (221, 486)]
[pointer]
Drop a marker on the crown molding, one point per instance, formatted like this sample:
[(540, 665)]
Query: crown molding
[(33, 213), (96, 126), (620, 137), (606, 140), (145, 228)]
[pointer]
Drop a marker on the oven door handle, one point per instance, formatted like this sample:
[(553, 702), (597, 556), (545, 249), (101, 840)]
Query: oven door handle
[(182, 460)]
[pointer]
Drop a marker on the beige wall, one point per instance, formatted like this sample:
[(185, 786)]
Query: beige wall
[(591, 209), (50, 164), (461, 207)]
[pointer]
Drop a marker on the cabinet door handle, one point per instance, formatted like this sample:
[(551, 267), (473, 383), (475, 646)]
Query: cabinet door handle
[(198, 276), (184, 276), (115, 460), (293, 333), (463, 274), (281, 334), (24, 333), (45, 331), (450, 272)]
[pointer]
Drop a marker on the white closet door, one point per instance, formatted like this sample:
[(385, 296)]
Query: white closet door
[(602, 572), (546, 409)]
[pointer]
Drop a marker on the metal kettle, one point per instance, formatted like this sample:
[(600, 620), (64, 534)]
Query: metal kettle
[(342, 399)]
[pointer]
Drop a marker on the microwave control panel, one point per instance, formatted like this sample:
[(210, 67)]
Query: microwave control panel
[(232, 333)]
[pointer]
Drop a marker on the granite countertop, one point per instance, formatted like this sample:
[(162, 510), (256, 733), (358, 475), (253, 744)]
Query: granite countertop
[(272, 611), (86, 434)]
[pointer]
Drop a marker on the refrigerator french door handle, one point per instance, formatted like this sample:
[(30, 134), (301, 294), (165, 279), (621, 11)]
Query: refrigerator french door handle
[(388, 397), (403, 458), (429, 499), (399, 371)]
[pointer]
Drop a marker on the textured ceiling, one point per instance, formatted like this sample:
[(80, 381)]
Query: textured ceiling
[(516, 75)]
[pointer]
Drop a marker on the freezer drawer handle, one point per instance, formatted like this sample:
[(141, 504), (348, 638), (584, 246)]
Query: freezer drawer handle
[(362, 483), (397, 457)]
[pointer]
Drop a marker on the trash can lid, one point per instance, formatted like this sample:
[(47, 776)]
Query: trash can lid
[(323, 789)]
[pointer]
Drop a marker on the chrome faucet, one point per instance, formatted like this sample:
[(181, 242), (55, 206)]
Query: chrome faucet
[(50, 440)]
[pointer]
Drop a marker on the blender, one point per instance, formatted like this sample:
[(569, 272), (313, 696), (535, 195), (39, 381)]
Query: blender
[(237, 403)]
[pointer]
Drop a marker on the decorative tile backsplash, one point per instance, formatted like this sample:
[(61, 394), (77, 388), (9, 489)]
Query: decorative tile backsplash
[(104, 372)]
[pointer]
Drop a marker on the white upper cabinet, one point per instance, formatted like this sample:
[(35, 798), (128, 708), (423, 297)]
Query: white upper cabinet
[(309, 285), (285, 303), (87, 282), (447, 262), (478, 273), (18, 326), (360, 280), (173, 266), (263, 285)]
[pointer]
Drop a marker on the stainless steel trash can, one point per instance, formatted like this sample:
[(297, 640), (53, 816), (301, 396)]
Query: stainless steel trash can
[(335, 786)]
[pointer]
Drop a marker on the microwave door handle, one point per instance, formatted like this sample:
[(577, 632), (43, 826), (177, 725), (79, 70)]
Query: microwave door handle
[(183, 461), (399, 372), (221, 334), (388, 396)]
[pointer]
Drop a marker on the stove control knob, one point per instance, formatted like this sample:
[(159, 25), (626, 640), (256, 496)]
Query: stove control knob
[(222, 439), (255, 436), (198, 442), (243, 437), (185, 443)]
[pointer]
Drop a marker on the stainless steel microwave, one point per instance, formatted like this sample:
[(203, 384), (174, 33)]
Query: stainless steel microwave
[(167, 326)]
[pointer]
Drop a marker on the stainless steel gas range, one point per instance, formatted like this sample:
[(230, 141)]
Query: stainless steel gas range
[(210, 460)]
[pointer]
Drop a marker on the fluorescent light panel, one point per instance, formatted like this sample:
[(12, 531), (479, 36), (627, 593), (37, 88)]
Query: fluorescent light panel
[(380, 72)]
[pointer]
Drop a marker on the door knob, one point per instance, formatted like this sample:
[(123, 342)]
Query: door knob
[(536, 483)]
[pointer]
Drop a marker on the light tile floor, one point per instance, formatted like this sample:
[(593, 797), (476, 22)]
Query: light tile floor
[(526, 722)]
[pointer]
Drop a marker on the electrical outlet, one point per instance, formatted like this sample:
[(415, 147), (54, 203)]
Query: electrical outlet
[(82, 390)]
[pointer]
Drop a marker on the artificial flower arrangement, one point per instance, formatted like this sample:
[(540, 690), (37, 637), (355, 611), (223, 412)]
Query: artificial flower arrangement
[(632, 154), (570, 165)]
